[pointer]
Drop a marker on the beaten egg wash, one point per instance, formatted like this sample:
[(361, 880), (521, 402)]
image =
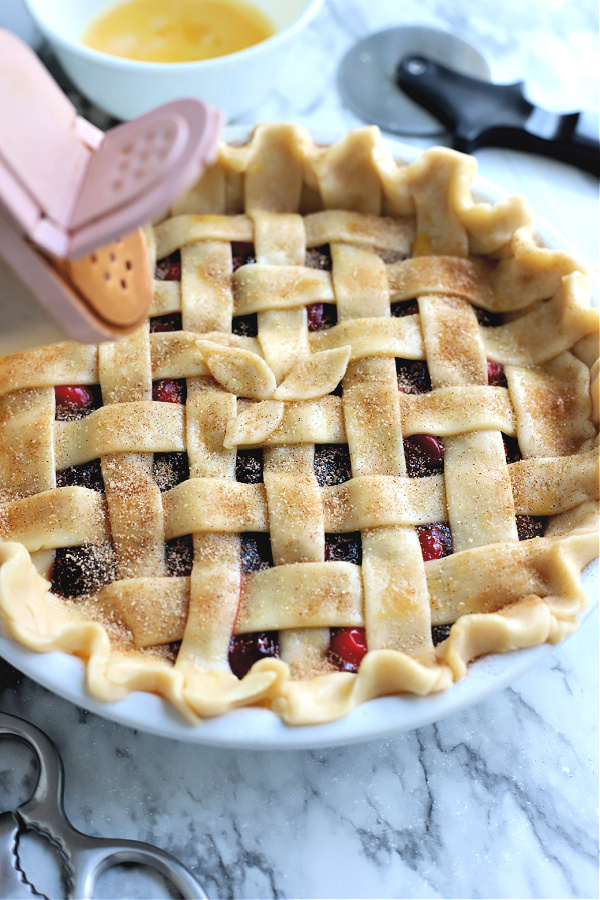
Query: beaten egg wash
[(172, 31)]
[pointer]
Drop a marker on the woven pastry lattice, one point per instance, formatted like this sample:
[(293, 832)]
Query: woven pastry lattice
[(348, 362)]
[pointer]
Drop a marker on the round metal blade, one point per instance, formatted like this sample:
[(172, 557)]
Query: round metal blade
[(366, 76)]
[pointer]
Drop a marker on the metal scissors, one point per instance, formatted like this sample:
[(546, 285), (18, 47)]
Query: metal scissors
[(85, 857)]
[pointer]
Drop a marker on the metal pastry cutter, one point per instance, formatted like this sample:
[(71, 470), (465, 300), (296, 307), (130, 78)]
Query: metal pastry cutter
[(84, 857)]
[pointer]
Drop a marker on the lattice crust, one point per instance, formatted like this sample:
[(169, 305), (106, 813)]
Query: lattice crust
[(416, 271)]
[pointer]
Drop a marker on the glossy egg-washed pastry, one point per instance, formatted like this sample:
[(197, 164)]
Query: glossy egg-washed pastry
[(354, 447)]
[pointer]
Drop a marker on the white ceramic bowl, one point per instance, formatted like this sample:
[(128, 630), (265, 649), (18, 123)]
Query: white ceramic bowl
[(127, 88)]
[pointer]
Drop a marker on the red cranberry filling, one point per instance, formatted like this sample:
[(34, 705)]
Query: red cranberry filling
[(246, 649), (247, 326), (169, 390), (319, 258), (439, 633), (435, 541), (530, 527), (344, 548), (256, 553), (249, 466), (413, 376), (242, 255), (82, 570), (169, 322), (332, 464), (321, 315), (87, 475), (347, 648), (404, 308), (511, 449), (170, 469), (169, 268), (179, 554), (73, 395), (75, 401), (424, 455), (496, 376)]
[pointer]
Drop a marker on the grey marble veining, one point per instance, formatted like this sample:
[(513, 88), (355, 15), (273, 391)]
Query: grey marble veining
[(499, 800), (496, 801), (553, 47)]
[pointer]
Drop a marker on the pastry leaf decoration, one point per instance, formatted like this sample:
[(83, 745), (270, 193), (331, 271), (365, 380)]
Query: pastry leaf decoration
[(254, 424), (241, 372), (314, 376)]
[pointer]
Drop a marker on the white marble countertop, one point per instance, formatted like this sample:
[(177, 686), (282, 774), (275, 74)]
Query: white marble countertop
[(497, 801)]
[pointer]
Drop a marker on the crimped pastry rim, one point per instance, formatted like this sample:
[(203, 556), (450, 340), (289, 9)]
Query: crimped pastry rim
[(257, 728)]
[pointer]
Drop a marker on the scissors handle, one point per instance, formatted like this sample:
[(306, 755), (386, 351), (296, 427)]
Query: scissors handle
[(90, 857), (11, 882), (85, 857)]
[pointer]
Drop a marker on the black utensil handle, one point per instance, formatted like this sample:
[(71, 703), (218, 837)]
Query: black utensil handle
[(481, 114)]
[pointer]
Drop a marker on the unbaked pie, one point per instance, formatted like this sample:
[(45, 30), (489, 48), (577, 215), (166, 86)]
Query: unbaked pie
[(354, 447)]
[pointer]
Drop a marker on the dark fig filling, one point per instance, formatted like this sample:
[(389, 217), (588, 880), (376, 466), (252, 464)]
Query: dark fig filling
[(404, 308), (512, 450), (440, 633), (82, 570), (87, 475), (256, 552), (321, 315), (179, 554), (249, 466), (246, 326), (242, 255), (424, 455), (344, 548), (488, 319), (413, 376), (170, 390), (246, 649), (332, 464), (169, 268), (530, 527), (170, 469), (168, 322), (319, 258)]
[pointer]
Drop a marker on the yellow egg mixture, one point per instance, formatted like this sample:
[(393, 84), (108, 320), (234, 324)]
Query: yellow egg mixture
[(177, 30)]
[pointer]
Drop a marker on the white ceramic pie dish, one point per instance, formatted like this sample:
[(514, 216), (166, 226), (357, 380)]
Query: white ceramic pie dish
[(259, 728)]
